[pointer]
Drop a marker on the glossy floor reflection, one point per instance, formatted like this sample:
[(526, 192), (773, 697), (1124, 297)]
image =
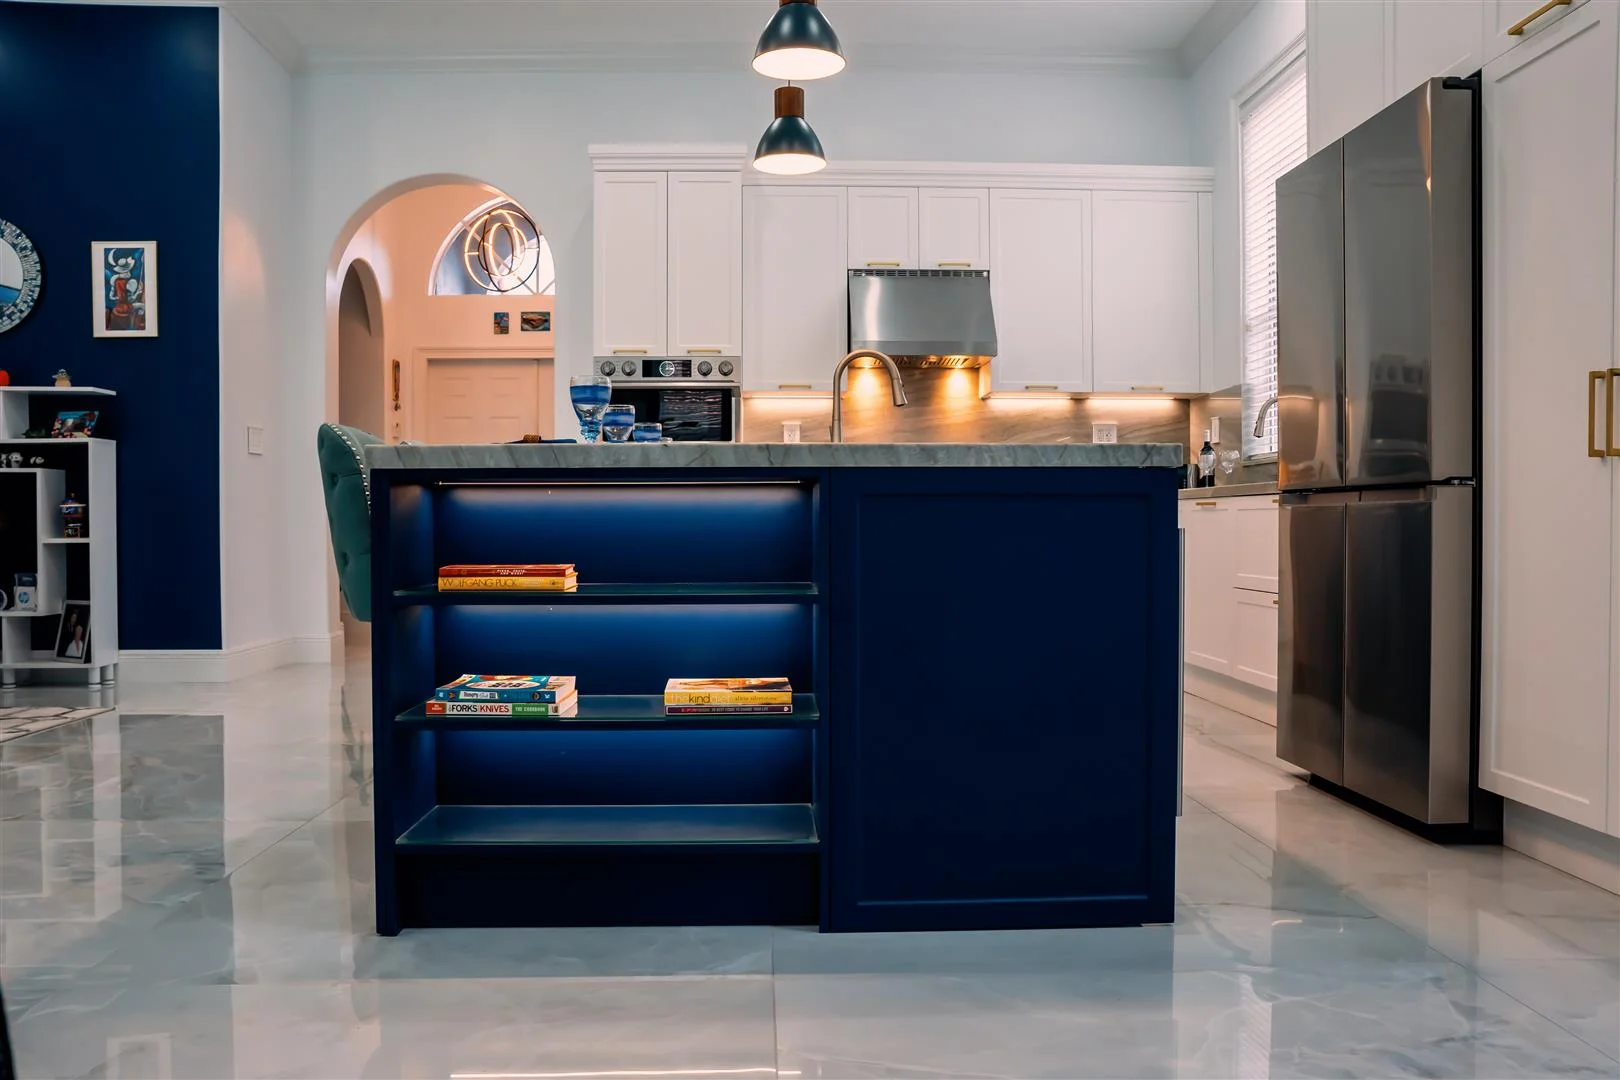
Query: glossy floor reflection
[(185, 890)]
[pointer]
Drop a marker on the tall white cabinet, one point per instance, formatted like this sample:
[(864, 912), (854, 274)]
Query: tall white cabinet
[(632, 271), (1146, 316), (795, 286), (1551, 714), (705, 264), (1041, 290)]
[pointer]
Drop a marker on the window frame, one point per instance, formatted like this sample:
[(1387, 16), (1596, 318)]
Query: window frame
[(466, 223), (1283, 70)]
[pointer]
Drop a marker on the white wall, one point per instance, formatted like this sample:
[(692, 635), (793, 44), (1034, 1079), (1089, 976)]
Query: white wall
[(1216, 90), (255, 311), (527, 133), (362, 368)]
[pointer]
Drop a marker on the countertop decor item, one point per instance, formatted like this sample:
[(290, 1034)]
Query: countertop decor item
[(124, 273), (798, 44), (789, 146), (20, 275)]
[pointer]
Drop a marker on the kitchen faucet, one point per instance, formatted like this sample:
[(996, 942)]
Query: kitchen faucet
[(1260, 418), (838, 378)]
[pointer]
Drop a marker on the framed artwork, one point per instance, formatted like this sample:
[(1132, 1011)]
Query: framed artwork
[(535, 321), (73, 633), (124, 273), (503, 322)]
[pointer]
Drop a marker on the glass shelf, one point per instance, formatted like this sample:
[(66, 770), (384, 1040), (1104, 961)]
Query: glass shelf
[(711, 592), (731, 827), (618, 712)]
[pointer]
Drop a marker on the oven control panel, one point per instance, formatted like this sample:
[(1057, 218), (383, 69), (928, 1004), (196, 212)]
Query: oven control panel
[(663, 369)]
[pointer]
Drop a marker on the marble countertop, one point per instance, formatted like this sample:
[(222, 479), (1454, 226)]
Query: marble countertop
[(1230, 491), (774, 455)]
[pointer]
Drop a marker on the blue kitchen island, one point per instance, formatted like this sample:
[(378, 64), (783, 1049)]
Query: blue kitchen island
[(983, 638)]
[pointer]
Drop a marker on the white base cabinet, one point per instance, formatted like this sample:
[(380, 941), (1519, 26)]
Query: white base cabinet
[(1229, 619)]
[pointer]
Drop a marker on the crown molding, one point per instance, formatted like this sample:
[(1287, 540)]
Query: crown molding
[(1214, 27), (667, 157), (963, 174)]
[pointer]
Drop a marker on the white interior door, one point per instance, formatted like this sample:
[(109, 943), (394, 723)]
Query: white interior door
[(482, 401)]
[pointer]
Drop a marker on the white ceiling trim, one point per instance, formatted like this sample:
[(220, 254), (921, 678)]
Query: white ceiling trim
[(968, 174), (671, 157)]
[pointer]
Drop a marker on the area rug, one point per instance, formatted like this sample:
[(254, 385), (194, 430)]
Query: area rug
[(17, 721)]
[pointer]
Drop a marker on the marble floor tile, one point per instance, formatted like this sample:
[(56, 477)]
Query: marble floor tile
[(1580, 996)]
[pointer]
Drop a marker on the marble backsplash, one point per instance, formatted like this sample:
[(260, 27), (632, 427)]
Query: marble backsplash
[(1227, 406), (945, 407)]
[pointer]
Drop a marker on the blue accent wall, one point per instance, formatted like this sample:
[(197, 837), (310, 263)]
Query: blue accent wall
[(111, 132)]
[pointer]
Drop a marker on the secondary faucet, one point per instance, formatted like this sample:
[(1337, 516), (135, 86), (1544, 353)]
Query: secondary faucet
[(838, 386), (1260, 418)]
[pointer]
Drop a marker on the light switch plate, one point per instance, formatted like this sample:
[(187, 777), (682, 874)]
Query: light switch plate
[(1214, 429), (1105, 433), (255, 439)]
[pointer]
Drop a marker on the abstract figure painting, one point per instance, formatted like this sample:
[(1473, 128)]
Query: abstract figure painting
[(125, 277)]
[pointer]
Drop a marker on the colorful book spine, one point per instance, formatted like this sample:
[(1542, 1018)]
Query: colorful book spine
[(509, 689), (491, 708), (724, 710), (508, 584), (507, 570), (728, 697)]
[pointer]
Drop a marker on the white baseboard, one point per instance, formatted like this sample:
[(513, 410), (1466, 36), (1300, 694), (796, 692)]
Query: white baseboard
[(224, 665), (1240, 697), (1574, 849)]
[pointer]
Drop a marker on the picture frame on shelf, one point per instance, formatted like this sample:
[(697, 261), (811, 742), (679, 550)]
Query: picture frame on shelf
[(125, 296), (75, 424), (73, 633)]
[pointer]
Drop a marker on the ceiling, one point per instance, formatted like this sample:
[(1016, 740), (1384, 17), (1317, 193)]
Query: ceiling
[(698, 35)]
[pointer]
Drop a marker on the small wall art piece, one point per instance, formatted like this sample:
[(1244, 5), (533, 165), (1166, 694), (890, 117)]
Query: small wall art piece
[(124, 273), (536, 320), (19, 275), (503, 322), (73, 633)]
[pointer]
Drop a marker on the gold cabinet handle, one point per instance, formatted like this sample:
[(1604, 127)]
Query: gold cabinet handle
[(629, 352), (703, 352), (962, 263), (1517, 29), (1207, 502), (1273, 601), (1040, 386), (1147, 388), (793, 386), (1274, 502), (895, 264), (1608, 412), (1592, 380)]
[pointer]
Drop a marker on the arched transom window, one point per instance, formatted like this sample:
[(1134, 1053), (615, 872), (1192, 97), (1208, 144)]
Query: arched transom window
[(496, 250)]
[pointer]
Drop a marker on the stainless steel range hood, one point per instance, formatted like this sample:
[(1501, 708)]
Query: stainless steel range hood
[(923, 318)]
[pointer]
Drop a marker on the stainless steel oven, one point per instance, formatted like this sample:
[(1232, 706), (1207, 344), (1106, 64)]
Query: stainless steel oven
[(695, 399)]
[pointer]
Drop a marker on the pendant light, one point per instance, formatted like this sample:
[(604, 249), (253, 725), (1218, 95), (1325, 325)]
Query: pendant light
[(789, 146), (798, 44)]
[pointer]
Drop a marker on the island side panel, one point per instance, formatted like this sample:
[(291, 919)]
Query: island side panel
[(1003, 717)]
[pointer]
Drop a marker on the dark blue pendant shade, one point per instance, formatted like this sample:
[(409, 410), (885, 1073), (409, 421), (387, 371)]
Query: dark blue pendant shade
[(798, 44), (789, 146)]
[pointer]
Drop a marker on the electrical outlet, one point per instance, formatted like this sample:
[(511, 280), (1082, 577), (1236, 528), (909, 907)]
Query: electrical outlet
[(1105, 433), (1214, 429), (255, 439)]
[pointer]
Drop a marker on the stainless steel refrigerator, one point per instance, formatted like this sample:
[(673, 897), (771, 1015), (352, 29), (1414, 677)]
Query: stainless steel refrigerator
[(1378, 391)]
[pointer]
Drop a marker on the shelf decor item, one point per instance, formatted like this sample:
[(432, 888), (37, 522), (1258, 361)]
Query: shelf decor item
[(73, 633), (75, 424), (72, 518), (124, 275), (61, 380), (25, 594), (20, 275)]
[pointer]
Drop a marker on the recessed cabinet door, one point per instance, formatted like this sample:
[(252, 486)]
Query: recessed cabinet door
[(1434, 37), (953, 229), (1503, 15), (1549, 533), (795, 287), (1146, 332), (632, 264), (1255, 523), (883, 228), (1344, 64), (1039, 291), (1254, 638), (1209, 612), (705, 264)]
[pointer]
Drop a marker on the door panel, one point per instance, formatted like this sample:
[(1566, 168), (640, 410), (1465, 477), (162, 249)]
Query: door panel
[(1310, 321), (1254, 649), (705, 264), (883, 228), (483, 401), (1211, 557), (631, 294), (795, 287), (953, 229), (1549, 191), (1040, 290), (1254, 524), (1145, 328), (1310, 649)]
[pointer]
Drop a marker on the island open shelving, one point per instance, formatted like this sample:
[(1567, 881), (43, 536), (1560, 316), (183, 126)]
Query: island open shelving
[(964, 750)]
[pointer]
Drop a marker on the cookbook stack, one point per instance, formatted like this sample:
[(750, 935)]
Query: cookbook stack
[(534, 696), (719, 697), (528, 577)]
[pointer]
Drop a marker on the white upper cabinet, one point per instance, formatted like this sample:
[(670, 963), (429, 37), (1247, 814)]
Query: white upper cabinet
[(1040, 290), (953, 229), (1146, 288), (883, 228), (1550, 544), (1344, 63), (795, 287), (1530, 17), (1433, 37), (705, 264), (632, 264)]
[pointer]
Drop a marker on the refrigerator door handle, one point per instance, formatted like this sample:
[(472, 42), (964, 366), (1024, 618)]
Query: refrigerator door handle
[(1592, 380)]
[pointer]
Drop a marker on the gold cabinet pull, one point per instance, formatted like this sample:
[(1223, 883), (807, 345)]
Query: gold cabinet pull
[(1274, 502), (1040, 386), (963, 264), (1609, 418), (1592, 380), (1274, 601), (1147, 388), (793, 386), (1206, 502), (894, 264), (629, 352), (703, 352), (1517, 29)]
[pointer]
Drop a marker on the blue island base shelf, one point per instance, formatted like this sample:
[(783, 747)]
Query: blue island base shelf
[(970, 747)]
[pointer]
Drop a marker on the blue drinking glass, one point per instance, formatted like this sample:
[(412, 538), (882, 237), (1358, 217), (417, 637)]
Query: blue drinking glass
[(617, 422), (651, 433), (590, 395)]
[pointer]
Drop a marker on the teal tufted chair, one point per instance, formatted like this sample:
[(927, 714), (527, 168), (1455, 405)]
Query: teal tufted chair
[(347, 485)]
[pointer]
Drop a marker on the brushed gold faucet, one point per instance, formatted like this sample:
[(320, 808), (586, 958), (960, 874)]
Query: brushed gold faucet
[(895, 384)]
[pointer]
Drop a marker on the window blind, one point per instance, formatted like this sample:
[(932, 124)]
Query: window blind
[(1271, 141)]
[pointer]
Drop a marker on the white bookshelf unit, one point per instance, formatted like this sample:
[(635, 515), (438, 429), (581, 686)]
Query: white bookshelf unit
[(35, 476)]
